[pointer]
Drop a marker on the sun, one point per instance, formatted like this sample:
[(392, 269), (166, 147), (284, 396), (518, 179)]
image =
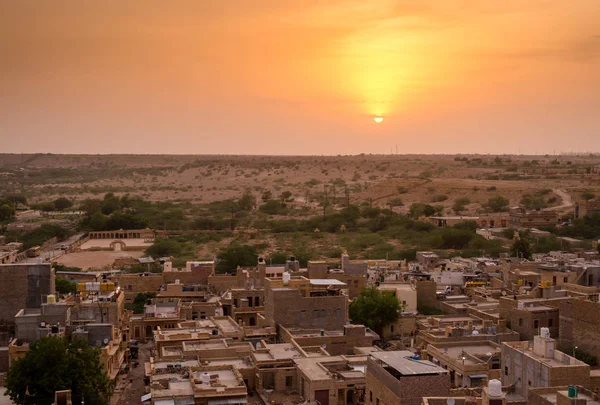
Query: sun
[(378, 119)]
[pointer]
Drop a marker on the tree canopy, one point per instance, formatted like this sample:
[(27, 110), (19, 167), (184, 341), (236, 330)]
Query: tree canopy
[(521, 248), (65, 286), (374, 308), (235, 255), (53, 364)]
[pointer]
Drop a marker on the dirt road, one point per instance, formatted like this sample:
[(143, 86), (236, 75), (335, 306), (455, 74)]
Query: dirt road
[(567, 202), (133, 382)]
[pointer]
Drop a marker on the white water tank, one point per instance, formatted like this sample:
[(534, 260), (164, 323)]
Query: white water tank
[(286, 277), (495, 388), (51, 299), (177, 281), (520, 305), (206, 378), (545, 333)]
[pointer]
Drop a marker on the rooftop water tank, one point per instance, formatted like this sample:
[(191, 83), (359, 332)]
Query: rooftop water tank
[(572, 392), (286, 277), (206, 378), (495, 388), (51, 299), (545, 333)]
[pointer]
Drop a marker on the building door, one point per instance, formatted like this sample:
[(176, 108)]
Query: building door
[(322, 397)]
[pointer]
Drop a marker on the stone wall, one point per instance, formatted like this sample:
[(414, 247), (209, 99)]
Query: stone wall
[(383, 389), (579, 326), (23, 286)]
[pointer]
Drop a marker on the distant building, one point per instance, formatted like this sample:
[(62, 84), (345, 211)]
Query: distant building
[(525, 367), (23, 286), (400, 378), (522, 218), (300, 302), (471, 364)]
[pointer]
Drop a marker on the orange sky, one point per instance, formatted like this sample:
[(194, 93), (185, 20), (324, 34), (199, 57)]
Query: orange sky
[(299, 76)]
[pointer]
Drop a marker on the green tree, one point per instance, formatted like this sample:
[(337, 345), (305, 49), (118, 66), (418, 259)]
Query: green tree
[(460, 203), (266, 195), (15, 199), (247, 202), (110, 204), (6, 212), (90, 206), (42, 234), (65, 286), (521, 248), (140, 300), (285, 196), (62, 203), (468, 225), (53, 364), (497, 204), (164, 247), (375, 309), (97, 221), (417, 210), (235, 255)]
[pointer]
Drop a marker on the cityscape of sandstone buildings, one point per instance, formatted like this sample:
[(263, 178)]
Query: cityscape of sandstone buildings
[(472, 331)]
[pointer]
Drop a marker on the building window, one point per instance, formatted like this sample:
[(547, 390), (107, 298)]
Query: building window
[(536, 324), (371, 396), (520, 321), (549, 323), (377, 401), (505, 370), (392, 328), (288, 381)]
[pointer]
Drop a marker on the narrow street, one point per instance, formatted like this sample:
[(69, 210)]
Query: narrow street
[(130, 387)]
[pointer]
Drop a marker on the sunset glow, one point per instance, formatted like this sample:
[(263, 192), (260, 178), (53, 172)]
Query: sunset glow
[(299, 76)]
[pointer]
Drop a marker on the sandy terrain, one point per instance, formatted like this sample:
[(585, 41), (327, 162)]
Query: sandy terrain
[(97, 259), (365, 178)]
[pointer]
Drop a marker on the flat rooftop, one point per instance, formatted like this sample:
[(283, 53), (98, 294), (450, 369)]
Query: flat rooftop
[(402, 362), (317, 368), (224, 378), (168, 385), (326, 282), (280, 351), (552, 397), (560, 359)]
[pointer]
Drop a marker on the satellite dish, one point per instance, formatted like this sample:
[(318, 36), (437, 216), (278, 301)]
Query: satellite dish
[(504, 293), (450, 401), (105, 341), (324, 346)]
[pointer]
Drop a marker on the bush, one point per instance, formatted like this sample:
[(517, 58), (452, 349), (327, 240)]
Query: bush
[(417, 210), (64, 286), (62, 203), (164, 248), (235, 255), (375, 309), (42, 234), (439, 198), (497, 204)]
